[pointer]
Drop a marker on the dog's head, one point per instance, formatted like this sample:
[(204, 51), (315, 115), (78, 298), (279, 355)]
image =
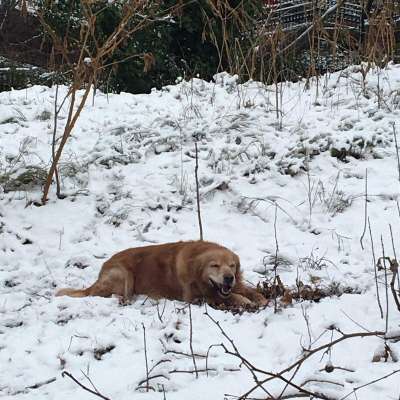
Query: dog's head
[(220, 271)]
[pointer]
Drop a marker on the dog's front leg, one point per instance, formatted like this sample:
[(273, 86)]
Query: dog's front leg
[(187, 294), (237, 300), (251, 294)]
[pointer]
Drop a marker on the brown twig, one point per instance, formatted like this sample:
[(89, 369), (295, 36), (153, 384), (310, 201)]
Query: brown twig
[(34, 386), (394, 267), (370, 383), (276, 258), (375, 269), (397, 148), (236, 353), (253, 369), (160, 314), (65, 373), (365, 209), (53, 143), (309, 354), (208, 352), (148, 379), (145, 357), (183, 371), (322, 381), (191, 340), (386, 284), (198, 191)]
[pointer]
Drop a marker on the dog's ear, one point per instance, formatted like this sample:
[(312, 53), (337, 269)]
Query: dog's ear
[(197, 263)]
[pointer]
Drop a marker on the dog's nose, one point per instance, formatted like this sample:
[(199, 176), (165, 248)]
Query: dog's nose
[(228, 279)]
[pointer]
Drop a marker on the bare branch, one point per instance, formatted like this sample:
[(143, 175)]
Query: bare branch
[(198, 191), (65, 373), (191, 340)]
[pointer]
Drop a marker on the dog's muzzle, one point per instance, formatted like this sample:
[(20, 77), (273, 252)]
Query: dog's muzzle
[(224, 289)]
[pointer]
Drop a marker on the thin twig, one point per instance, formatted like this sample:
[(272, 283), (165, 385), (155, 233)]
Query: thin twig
[(357, 323), (370, 383), (386, 285), (90, 381), (236, 353), (365, 209), (145, 357), (65, 373), (322, 381), (191, 340), (53, 143), (182, 353), (395, 271), (397, 148), (183, 371), (271, 376), (375, 269), (208, 352), (198, 191), (309, 354), (40, 384), (395, 268), (276, 260), (160, 315)]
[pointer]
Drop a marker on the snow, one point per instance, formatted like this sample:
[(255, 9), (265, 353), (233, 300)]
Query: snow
[(128, 173)]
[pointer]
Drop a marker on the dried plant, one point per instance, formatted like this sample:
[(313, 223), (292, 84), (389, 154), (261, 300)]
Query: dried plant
[(87, 55)]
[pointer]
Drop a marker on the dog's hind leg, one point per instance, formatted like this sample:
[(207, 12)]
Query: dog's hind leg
[(117, 281)]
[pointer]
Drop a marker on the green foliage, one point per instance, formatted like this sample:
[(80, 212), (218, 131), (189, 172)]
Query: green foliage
[(15, 75), (178, 47), (185, 42)]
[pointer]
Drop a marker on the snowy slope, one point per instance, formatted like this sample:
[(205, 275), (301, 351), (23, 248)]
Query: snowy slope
[(128, 172)]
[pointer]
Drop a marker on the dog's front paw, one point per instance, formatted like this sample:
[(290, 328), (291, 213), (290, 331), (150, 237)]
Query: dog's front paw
[(245, 302), (237, 300), (262, 302)]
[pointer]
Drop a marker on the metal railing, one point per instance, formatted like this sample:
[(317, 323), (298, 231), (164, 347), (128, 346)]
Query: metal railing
[(291, 14)]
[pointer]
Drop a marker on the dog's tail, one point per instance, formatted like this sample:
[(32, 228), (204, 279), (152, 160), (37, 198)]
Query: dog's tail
[(73, 292)]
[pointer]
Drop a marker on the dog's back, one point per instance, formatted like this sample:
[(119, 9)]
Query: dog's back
[(150, 270)]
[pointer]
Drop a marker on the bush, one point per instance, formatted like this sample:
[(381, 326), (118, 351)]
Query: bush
[(183, 44)]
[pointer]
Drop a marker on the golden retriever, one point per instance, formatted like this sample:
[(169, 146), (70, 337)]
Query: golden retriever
[(188, 271)]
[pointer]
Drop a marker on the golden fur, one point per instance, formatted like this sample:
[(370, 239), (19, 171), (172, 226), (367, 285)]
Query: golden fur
[(187, 271)]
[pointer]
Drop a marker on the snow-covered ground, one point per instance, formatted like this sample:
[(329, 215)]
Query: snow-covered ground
[(128, 173)]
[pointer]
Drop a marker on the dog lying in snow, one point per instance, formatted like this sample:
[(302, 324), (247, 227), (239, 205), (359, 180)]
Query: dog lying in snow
[(188, 271)]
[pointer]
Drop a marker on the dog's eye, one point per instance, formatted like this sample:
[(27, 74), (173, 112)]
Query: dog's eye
[(232, 266), (214, 266)]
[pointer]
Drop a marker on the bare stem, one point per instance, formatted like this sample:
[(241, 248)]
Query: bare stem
[(383, 258), (96, 393), (375, 269), (191, 341), (198, 191), (397, 148), (145, 357), (276, 259), (365, 209)]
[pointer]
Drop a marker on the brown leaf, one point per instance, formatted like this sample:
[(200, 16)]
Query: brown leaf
[(287, 298), (149, 61)]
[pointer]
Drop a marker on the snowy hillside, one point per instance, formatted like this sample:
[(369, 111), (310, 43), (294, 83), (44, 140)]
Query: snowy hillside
[(286, 179)]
